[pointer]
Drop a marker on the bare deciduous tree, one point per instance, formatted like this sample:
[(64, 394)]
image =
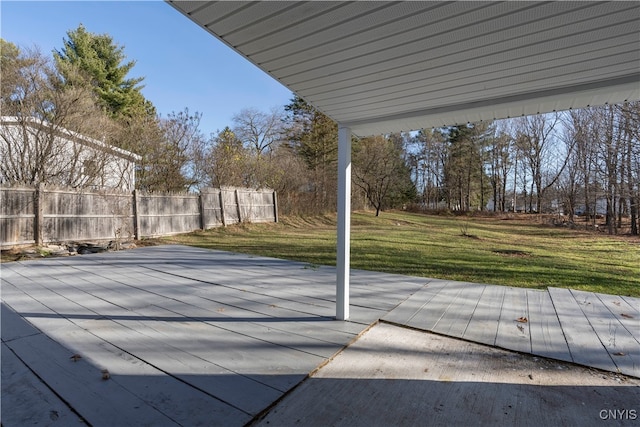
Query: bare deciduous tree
[(631, 132), (44, 136), (538, 141), (379, 170), (258, 130), (224, 160), (500, 162)]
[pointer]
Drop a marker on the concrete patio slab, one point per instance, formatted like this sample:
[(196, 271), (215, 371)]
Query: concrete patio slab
[(398, 376), (175, 335)]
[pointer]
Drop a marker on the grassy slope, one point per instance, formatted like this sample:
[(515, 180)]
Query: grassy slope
[(511, 252)]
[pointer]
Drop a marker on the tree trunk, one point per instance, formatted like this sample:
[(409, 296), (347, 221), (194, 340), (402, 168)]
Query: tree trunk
[(633, 195), (634, 215)]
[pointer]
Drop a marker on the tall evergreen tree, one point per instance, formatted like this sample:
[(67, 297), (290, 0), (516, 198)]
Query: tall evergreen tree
[(11, 64), (104, 64), (464, 175), (314, 136)]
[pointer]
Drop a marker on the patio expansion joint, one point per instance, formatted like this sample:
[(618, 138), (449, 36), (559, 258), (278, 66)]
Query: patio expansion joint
[(564, 336), (262, 414)]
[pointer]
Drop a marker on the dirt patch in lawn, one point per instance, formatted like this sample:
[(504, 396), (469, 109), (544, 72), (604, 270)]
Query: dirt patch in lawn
[(513, 253)]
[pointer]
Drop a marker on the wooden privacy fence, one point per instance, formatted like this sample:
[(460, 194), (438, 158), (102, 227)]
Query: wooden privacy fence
[(46, 214)]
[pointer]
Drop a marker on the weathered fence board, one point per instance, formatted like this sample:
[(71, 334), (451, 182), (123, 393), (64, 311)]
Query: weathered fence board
[(255, 205), (230, 206), (211, 208), (71, 215), (17, 215), (45, 214), (166, 214)]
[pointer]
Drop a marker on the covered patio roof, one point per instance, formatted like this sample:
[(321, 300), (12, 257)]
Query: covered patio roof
[(380, 67)]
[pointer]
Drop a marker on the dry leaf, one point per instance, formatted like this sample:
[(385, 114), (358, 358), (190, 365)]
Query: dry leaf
[(617, 303), (619, 354), (522, 320), (75, 357), (105, 374), (628, 316)]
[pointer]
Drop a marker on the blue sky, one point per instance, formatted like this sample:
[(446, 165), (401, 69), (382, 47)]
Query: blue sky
[(183, 65)]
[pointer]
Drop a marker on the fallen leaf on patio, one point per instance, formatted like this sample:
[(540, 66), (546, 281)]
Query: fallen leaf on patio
[(75, 357), (619, 354), (628, 316), (522, 320), (616, 302), (105, 374)]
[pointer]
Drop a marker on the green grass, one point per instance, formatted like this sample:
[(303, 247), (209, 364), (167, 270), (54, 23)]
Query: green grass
[(513, 252)]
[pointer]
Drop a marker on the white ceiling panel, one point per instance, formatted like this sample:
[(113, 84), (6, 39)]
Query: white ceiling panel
[(380, 67), (442, 70), (472, 87), (527, 70)]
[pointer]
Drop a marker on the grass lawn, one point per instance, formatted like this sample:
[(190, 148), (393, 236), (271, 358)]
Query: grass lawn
[(493, 250)]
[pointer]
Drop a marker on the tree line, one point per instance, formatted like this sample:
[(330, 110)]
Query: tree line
[(580, 163)]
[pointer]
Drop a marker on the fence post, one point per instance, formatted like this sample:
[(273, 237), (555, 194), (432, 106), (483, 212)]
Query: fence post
[(202, 218), (38, 197), (224, 221), (275, 207), (136, 216), (238, 206)]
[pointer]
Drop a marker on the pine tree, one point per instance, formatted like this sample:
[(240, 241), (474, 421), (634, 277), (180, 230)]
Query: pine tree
[(314, 137), (104, 67)]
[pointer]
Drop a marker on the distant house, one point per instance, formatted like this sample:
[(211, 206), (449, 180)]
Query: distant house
[(35, 151), (600, 207)]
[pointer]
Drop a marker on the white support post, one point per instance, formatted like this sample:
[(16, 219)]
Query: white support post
[(344, 223)]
